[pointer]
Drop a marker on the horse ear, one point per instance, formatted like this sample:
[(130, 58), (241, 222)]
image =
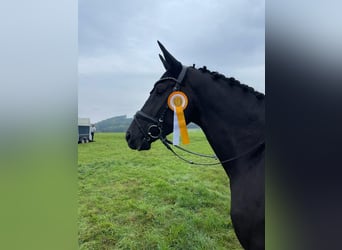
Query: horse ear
[(169, 59), (166, 65)]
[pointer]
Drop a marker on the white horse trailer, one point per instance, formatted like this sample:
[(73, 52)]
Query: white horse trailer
[(84, 133)]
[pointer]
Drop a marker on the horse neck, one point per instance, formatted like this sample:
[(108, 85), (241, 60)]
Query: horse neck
[(232, 120)]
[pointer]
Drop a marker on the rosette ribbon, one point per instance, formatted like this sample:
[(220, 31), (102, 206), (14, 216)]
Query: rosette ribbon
[(177, 102)]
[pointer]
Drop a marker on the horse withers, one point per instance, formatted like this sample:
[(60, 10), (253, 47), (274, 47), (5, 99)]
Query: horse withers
[(232, 116)]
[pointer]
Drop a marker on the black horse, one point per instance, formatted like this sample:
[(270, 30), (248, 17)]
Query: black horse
[(232, 116)]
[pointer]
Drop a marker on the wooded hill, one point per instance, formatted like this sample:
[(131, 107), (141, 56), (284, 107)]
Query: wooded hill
[(120, 124), (114, 124)]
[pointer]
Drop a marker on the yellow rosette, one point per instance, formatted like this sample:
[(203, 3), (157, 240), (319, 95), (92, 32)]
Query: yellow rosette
[(177, 102)]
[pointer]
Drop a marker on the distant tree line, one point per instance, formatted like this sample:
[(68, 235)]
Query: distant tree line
[(120, 124), (114, 124)]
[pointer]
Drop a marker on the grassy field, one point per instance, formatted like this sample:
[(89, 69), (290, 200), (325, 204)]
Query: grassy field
[(151, 199)]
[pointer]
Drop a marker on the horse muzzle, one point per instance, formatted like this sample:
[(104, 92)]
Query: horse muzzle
[(135, 144)]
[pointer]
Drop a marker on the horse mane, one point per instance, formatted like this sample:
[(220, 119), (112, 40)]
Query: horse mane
[(232, 82)]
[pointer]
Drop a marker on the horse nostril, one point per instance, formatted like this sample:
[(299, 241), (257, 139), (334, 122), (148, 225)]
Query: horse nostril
[(128, 135)]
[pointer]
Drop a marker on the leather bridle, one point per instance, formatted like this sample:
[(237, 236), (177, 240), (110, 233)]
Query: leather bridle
[(155, 129)]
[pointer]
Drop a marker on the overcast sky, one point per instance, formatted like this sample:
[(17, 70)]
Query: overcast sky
[(118, 51)]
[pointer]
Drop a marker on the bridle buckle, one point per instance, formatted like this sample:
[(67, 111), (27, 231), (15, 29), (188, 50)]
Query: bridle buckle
[(154, 131)]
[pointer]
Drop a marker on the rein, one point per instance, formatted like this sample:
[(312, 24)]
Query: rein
[(155, 130), (166, 142)]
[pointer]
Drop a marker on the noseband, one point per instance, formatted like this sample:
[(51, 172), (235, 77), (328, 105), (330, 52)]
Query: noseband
[(154, 130)]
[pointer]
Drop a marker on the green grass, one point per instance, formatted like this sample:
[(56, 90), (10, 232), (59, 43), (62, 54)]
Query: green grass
[(151, 199)]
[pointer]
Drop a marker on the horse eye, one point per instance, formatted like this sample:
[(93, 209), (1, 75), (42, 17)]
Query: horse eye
[(160, 89)]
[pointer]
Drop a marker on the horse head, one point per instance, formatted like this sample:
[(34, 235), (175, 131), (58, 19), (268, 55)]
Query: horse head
[(155, 119)]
